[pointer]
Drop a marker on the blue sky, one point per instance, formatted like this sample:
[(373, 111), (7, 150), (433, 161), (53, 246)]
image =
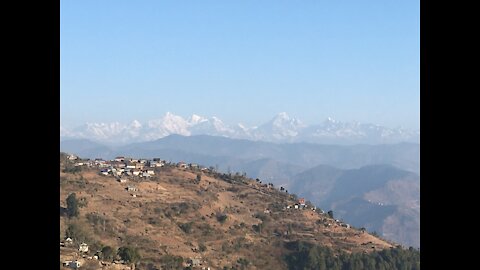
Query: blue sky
[(242, 61)]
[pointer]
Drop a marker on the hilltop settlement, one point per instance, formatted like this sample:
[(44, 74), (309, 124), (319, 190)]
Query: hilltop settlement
[(129, 213)]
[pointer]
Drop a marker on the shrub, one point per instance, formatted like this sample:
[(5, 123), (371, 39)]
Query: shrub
[(221, 217), (107, 253), (171, 262), (128, 254), (186, 227)]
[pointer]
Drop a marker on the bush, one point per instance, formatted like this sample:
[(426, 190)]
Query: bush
[(186, 227), (108, 253), (77, 231), (257, 228), (171, 262), (128, 254), (70, 168), (221, 217)]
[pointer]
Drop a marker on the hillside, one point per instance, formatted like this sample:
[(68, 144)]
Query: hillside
[(381, 198), (179, 213)]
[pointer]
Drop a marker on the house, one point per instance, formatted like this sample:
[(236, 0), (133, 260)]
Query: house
[(131, 188), (68, 240), (74, 264), (139, 166), (301, 201), (104, 171), (122, 180), (103, 165), (182, 164), (296, 206), (136, 172), (151, 171), (83, 247), (195, 262), (120, 159), (72, 157)]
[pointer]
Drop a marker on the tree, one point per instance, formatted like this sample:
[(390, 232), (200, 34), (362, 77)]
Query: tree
[(186, 227), (199, 178), (202, 247), (330, 214), (72, 205), (128, 254), (76, 230), (107, 253), (221, 217)]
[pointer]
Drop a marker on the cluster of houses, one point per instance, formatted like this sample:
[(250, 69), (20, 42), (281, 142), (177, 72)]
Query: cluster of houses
[(82, 248), (301, 205), (121, 166)]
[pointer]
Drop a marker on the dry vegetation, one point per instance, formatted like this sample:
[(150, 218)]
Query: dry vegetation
[(221, 222)]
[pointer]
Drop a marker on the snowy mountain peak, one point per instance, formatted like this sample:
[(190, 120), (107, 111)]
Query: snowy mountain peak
[(281, 128), (284, 121), (283, 115), (195, 119), (135, 124)]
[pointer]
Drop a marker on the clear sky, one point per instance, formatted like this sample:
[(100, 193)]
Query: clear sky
[(242, 61)]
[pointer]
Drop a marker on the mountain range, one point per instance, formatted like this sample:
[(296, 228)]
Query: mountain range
[(281, 128)]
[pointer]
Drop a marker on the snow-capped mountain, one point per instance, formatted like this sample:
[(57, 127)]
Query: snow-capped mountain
[(281, 128)]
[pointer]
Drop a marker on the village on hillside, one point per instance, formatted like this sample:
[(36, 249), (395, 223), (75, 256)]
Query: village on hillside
[(130, 171)]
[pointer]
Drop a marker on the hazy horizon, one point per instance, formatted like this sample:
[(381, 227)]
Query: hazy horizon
[(243, 62)]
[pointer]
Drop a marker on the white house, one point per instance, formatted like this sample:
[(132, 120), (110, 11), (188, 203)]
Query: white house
[(83, 247), (195, 262), (132, 188), (122, 180)]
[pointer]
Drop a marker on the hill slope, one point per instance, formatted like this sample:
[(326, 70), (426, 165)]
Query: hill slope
[(221, 219), (381, 198)]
